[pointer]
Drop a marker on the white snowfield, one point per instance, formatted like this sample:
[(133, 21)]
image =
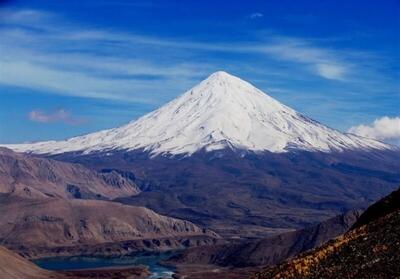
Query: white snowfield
[(222, 111)]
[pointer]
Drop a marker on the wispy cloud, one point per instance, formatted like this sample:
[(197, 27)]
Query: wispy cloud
[(59, 115), (41, 53), (384, 128), (90, 63), (23, 17), (324, 62)]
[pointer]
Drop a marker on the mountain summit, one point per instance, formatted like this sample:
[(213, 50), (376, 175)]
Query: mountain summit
[(222, 111)]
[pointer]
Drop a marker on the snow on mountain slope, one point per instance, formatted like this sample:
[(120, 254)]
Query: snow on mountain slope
[(222, 111)]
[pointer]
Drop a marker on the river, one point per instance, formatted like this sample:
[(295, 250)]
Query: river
[(151, 260)]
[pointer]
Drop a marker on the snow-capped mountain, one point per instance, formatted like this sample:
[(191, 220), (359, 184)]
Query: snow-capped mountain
[(222, 111)]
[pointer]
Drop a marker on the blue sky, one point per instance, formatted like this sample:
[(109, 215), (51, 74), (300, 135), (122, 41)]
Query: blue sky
[(73, 67)]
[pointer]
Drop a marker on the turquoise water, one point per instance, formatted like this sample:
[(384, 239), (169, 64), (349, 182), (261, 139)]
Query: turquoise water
[(151, 260)]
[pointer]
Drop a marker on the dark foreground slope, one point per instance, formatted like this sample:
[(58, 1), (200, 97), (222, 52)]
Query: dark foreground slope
[(383, 207), (369, 250)]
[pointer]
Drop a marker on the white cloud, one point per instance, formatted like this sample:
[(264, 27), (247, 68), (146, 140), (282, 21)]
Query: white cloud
[(59, 115), (384, 128), (256, 15), (331, 71)]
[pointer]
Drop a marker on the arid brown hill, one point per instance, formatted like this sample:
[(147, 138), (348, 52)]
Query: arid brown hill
[(370, 250), (44, 224), (44, 177)]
